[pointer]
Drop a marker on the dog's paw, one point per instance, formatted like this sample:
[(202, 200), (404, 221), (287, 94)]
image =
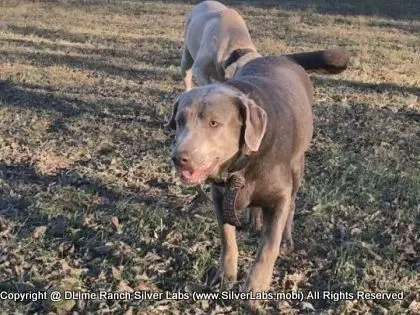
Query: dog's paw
[(217, 276), (257, 284), (286, 246), (255, 306)]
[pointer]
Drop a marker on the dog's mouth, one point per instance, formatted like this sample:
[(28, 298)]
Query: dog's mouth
[(197, 176)]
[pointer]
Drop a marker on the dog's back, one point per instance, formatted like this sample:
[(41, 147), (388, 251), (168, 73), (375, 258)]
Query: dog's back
[(281, 85), (219, 22), (213, 34), (283, 89), (207, 7)]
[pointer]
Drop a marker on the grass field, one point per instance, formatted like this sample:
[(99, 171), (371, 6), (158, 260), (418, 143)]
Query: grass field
[(88, 201)]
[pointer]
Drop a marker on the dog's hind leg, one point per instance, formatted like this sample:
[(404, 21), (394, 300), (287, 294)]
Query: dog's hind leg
[(275, 218), (186, 68), (297, 173), (255, 219)]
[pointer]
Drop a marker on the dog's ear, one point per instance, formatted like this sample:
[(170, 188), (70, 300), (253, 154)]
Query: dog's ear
[(255, 121), (171, 125)]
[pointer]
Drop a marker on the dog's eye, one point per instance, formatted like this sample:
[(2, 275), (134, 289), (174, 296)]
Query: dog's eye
[(213, 123)]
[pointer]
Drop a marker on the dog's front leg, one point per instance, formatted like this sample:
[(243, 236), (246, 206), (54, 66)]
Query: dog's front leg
[(201, 69), (275, 219), (228, 266)]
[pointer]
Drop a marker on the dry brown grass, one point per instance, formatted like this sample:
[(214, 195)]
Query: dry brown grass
[(84, 90)]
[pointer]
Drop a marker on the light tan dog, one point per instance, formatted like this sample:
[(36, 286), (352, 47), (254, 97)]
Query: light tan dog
[(216, 44)]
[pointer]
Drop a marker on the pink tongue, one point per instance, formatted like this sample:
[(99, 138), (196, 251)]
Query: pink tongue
[(191, 176)]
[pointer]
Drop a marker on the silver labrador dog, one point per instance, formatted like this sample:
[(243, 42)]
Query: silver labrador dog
[(216, 44), (248, 137)]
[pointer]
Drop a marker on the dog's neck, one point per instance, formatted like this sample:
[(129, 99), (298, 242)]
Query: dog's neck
[(236, 165), (237, 59)]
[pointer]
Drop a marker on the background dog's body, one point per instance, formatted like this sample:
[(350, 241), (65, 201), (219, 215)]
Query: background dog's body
[(213, 34)]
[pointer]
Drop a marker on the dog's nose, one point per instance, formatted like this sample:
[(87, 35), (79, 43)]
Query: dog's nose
[(180, 159)]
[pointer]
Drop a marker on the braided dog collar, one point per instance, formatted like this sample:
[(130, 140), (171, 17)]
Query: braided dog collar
[(236, 54), (234, 185)]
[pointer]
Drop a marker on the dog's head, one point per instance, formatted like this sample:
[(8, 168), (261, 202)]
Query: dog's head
[(212, 124)]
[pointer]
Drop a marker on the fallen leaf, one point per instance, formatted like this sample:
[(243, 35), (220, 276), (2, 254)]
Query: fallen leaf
[(144, 286), (65, 305), (64, 265), (355, 231), (124, 287), (115, 222), (306, 306), (414, 307), (116, 273), (283, 305), (204, 304), (66, 248), (410, 250), (292, 280), (39, 231), (6, 233)]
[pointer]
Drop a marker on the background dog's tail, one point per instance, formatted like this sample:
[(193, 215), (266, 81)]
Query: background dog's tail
[(329, 61)]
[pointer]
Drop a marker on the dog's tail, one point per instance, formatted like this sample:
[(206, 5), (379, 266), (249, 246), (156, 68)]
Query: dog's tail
[(329, 61)]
